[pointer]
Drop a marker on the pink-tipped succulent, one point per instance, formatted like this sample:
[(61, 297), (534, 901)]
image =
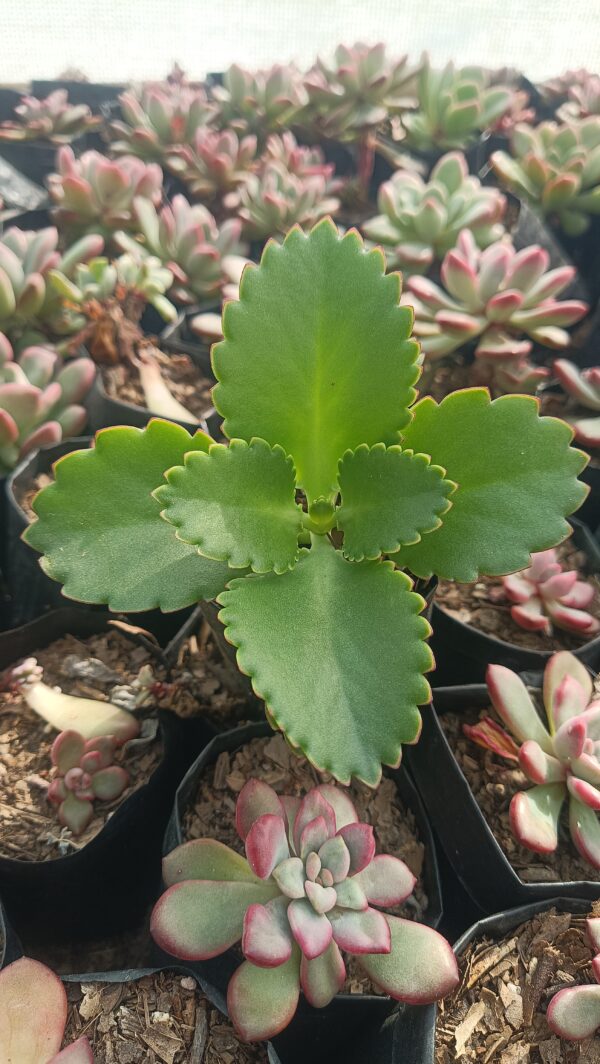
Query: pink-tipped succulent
[(271, 202), (160, 118), (260, 101), (33, 1017), (574, 1013), (84, 774), (544, 595), (562, 759), (583, 388), (498, 297), (584, 98), (53, 119), (306, 891), (96, 195), (40, 400), (213, 164)]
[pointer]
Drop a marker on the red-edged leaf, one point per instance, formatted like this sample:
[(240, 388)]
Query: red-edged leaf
[(420, 967)]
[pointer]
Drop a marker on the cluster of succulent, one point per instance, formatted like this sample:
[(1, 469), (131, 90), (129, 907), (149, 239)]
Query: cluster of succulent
[(274, 200), (574, 1012), (40, 400), (583, 99), (455, 105), (421, 220), (311, 885), (188, 241), (158, 119), (544, 595), (555, 90), (53, 119), (519, 110), (93, 194), (562, 758), (583, 390), (84, 773), (556, 168), (212, 163), (34, 1017), (260, 101), (497, 296)]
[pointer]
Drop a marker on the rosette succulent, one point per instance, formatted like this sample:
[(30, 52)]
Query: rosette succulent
[(556, 168), (583, 389), (310, 886), (583, 99), (544, 595), (455, 105), (33, 1017), (53, 119), (94, 194), (421, 220), (84, 774), (574, 1013), (271, 202), (560, 758), (213, 164), (260, 101), (158, 119)]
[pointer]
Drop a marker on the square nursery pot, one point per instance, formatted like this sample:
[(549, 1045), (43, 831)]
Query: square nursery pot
[(463, 832), (103, 887), (463, 653), (342, 1031), (412, 1032)]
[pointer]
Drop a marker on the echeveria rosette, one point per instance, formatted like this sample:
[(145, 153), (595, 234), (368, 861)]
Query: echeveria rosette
[(158, 119), (84, 774), (311, 886), (213, 164), (33, 1017), (544, 595), (574, 1013), (561, 758), (52, 119), (259, 101), (583, 389)]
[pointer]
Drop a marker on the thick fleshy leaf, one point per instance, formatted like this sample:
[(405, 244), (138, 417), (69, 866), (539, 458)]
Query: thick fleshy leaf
[(267, 844), (290, 877), (335, 856), (321, 310), (389, 497), (205, 859), (585, 831), (322, 978), (492, 526), (350, 895), (311, 930), (360, 840), (514, 705), (33, 1012), (313, 836), (342, 805), (592, 928), (67, 750), (267, 938), (534, 816), (569, 740), (109, 783), (584, 792), (262, 1001), (101, 531), (386, 880), (199, 919), (79, 1052), (90, 717), (313, 805), (255, 799), (321, 898), (574, 1013), (236, 504), (567, 687), (75, 813), (364, 931), (420, 967), (538, 766), (350, 701), (488, 734)]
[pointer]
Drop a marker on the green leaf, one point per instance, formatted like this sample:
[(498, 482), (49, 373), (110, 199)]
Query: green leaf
[(516, 477), (316, 356), (389, 497), (346, 678), (101, 531), (236, 504)]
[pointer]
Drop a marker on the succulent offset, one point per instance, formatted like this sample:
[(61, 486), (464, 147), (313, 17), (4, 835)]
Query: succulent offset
[(544, 595), (574, 1012), (158, 119), (455, 105), (93, 194), (40, 400), (583, 390), (260, 101), (310, 887), (562, 757), (556, 168), (421, 220), (33, 1017), (85, 773), (271, 202), (53, 118), (212, 163)]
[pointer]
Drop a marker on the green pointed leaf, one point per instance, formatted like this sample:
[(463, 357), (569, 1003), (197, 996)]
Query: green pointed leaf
[(237, 505), (389, 497), (516, 477), (337, 652), (101, 531), (316, 355)]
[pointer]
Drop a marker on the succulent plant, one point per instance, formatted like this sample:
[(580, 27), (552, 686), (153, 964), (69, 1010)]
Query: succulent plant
[(562, 759), (94, 194), (556, 89), (455, 105), (213, 163), (260, 101), (158, 119), (543, 595), (583, 99), (305, 892), (518, 111), (271, 202), (84, 773), (39, 400), (583, 388), (497, 297), (298, 159), (34, 1016), (53, 118), (421, 220), (556, 168), (188, 241), (574, 1012)]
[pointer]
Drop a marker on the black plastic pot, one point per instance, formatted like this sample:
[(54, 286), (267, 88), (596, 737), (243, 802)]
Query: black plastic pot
[(94, 94), (467, 840), (36, 158), (37, 218), (10, 947), (530, 229), (105, 411), (178, 337), (17, 192), (462, 653), (102, 888)]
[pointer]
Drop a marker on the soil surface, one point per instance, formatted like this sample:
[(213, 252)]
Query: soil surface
[(271, 760), (162, 1018), (493, 781), (498, 1013), (90, 668), (186, 383), (485, 606)]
